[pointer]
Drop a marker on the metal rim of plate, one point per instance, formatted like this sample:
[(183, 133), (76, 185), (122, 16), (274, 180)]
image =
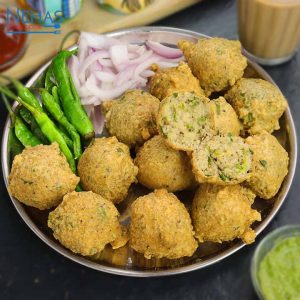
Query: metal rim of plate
[(141, 34)]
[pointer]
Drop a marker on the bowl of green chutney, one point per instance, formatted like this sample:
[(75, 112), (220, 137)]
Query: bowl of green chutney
[(275, 266)]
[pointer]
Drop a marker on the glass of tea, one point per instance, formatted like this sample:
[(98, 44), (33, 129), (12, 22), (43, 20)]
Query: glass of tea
[(269, 30)]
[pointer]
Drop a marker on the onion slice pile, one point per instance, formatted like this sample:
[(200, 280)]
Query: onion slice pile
[(106, 67)]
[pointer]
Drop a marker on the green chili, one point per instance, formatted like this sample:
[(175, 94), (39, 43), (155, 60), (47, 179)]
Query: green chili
[(54, 93), (15, 147), (31, 100), (25, 94), (55, 110), (65, 136), (25, 114), (24, 135), (49, 84), (69, 98), (49, 130)]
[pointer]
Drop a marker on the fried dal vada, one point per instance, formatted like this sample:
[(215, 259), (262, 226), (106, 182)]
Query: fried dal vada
[(85, 222), (270, 165), (40, 176), (167, 81), (160, 166), (132, 118), (107, 169), (218, 63), (161, 226), (258, 103), (224, 213)]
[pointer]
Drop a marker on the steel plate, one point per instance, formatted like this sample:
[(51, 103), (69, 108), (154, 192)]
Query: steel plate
[(125, 261)]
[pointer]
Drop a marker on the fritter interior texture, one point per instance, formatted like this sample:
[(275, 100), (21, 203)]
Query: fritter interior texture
[(223, 213), (167, 81), (258, 103), (184, 120), (40, 176), (132, 118), (160, 166), (222, 160), (85, 222), (226, 119), (161, 226), (216, 62), (107, 169), (270, 165)]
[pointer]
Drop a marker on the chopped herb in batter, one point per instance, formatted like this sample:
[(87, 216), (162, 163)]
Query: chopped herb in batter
[(263, 163), (201, 120), (218, 107)]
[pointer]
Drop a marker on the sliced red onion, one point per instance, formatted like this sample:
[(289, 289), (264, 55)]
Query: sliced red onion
[(164, 51), (105, 76), (73, 65), (114, 93), (163, 64), (84, 92), (174, 60), (89, 101), (106, 67), (98, 41), (107, 86), (88, 108), (142, 58), (109, 70), (106, 62), (124, 75), (142, 50), (90, 60), (147, 73), (118, 54), (146, 64), (82, 49), (99, 120), (133, 48)]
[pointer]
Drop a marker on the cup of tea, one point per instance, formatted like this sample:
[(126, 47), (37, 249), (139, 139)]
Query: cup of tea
[(269, 30)]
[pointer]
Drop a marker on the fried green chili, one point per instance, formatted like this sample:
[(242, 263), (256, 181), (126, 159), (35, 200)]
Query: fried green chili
[(55, 110), (49, 84), (49, 130), (25, 114), (69, 98), (14, 146), (25, 94), (23, 134), (31, 100), (54, 93), (65, 136)]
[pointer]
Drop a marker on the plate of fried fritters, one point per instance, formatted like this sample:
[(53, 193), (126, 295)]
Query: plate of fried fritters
[(186, 173)]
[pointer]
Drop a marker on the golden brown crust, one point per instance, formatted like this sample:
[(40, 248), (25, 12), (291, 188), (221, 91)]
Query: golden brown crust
[(226, 119), (107, 169), (132, 118), (258, 103), (40, 177), (178, 79), (223, 213), (270, 165), (160, 166), (161, 226), (216, 62), (85, 222)]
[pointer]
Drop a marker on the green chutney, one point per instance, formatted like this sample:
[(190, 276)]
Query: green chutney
[(279, 271)]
